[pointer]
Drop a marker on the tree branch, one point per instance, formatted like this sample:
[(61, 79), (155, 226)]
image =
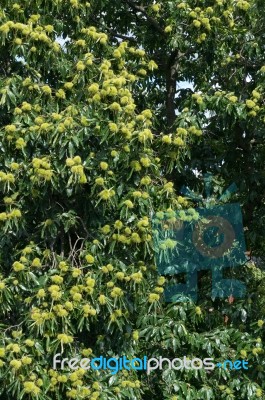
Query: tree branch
[(118, 35), (171, 82), (150, 19)]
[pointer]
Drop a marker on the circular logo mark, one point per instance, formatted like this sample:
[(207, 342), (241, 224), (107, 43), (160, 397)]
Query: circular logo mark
[(224, 229)]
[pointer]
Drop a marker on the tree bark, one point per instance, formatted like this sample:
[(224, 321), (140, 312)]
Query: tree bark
[(171, 82)]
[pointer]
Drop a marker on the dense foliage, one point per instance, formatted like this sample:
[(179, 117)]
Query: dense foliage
[(91, 148)]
